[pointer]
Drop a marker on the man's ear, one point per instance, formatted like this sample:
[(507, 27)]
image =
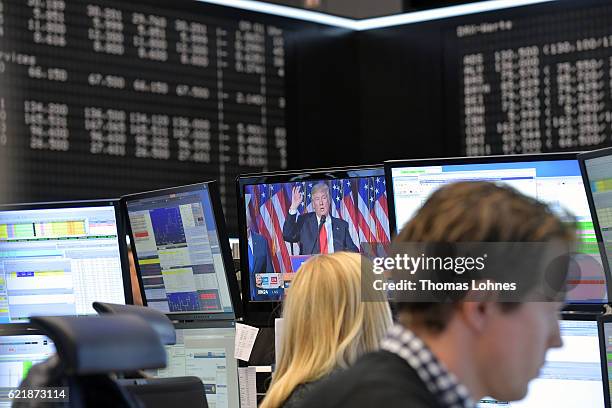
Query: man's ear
[(476, 314)]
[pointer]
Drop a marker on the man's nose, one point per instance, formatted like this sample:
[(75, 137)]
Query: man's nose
[(557, 341)]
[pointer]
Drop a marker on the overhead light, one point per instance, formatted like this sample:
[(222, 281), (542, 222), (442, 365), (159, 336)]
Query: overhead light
[(286, 11), (377, 22), (443, 12)]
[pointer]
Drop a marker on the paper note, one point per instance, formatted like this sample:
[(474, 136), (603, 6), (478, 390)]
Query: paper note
[(245, 339), (248, 388), (278, 333)]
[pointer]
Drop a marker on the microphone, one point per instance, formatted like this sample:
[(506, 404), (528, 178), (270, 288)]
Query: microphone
[(322, 222)]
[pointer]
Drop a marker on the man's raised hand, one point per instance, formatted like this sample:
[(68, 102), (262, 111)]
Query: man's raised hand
[(296, 198)]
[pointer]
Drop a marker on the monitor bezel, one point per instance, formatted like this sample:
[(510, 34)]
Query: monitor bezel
[(258, 312), (201, 324), (579, 315), (121, 234), (392, 164), (226, 253), (603, 357), (20, 329)]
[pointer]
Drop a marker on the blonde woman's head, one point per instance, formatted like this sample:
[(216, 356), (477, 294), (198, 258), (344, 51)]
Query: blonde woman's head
[(326, 325)]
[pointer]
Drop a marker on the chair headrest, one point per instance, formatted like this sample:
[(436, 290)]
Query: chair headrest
[(159, 321), (165, 392), (102, 344)]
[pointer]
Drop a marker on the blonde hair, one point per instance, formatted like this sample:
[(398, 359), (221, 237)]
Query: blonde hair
[(326, 323), (320, 187)]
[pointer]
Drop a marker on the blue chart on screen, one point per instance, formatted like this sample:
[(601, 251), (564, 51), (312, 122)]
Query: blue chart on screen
[(167, 226), (183, 301)]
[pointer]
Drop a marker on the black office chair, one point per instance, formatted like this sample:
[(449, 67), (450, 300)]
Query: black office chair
[(166, 392), (89, 349), (157, 392), (159, 321)]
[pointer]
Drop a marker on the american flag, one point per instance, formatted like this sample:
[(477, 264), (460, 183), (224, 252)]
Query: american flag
[(251, 197), (380, 211), (336, 197), (344, 205), (307, 203), (361, 202), (365, 202), (348, 211), (373, 212)]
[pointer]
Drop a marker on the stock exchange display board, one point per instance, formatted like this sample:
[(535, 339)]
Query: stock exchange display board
[(102, 98), (534, 82)]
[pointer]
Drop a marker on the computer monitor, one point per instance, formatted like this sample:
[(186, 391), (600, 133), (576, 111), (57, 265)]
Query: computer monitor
[(182, 253), (571, 376), (19, 351), (58, 258), (282, 215), (596, 169), (604, 323), (552, 178), (206, 350)]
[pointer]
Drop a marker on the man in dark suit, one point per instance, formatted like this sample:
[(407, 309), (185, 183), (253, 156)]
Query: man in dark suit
[(450, 354), (260, 260), (259, 252), (317, 232)]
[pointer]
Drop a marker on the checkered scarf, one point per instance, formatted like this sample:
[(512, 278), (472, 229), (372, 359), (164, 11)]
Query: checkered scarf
[(442, 384)]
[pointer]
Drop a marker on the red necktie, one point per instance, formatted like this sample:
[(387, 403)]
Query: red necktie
[(323, 240)]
